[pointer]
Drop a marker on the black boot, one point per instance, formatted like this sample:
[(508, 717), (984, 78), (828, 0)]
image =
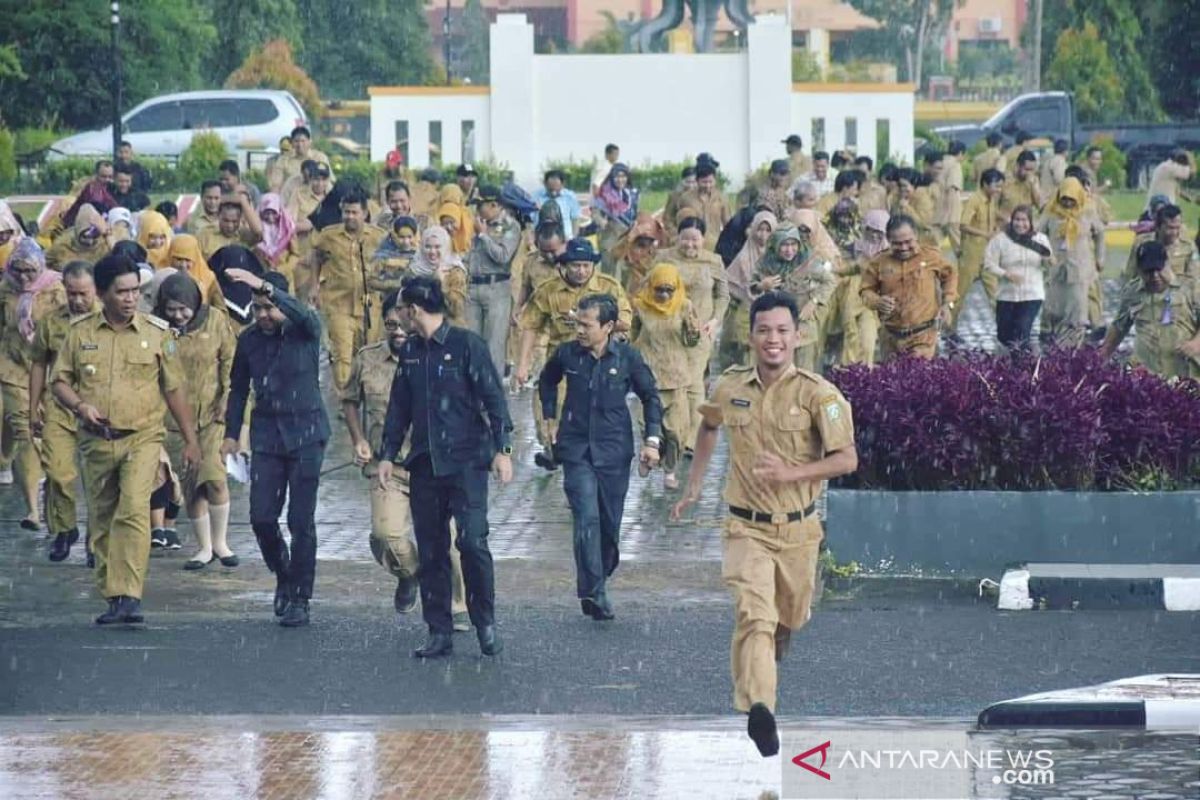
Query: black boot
[(113, 614), (407, 591), (598, 607), (130, 610), (761, 727), (60, 550), (489, 642), (296, 613), (283, 595), (436, 645)]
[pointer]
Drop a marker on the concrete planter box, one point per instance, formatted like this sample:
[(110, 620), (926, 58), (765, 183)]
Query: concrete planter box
[(978, 533)]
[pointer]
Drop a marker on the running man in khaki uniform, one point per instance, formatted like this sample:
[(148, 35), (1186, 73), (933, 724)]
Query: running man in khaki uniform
[(115, 371), (788, 431), (980, 221)]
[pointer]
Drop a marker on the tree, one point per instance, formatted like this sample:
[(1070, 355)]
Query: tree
[(610, 40), (1082, 65), (912, 25), (66, 64), (475, 43), (1176, 51), (272, 67), (245, 25), (1125, 40)]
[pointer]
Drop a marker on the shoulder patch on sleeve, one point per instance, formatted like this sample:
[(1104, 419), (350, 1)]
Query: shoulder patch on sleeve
[(831, 407), (158, 322)]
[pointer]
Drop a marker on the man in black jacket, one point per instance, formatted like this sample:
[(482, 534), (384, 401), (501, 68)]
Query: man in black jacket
[(594, 443), (448, 393), (280, 356)]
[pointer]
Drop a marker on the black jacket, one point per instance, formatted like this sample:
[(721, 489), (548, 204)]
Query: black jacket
[(448, 392), (283, 366), (596, 425)]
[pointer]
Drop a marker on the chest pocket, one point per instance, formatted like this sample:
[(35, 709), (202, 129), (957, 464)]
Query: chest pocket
[(738, 416), (142, 364), (795, 419)]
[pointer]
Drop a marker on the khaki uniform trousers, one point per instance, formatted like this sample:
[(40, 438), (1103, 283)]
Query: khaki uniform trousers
[(58, 462), (771, 570), (970, 269), (701, 354), (119, 478), (392, 541), (27, 461), (809, 356), (1096, 304), (921, 345), (1065, 313), (860, 326), (346, 337)]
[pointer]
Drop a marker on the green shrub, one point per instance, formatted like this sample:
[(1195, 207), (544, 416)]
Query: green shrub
[(32, 140), (8, 158), (56, 177), (358, 170), (663, 177), (931, 138), (201, 160), (1113, 167)]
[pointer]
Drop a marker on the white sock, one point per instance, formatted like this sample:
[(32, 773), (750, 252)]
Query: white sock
[(203, 529), (220, 528)]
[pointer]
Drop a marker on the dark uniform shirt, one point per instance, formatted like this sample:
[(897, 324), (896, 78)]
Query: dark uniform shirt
[(282, 366), (596, 425), (448, 392)]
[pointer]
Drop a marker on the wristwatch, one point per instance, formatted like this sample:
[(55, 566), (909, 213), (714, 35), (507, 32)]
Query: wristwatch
[(506, 450), (653, 441), (267, 289)]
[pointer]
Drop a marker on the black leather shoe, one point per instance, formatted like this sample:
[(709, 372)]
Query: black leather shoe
[(545, 461), (113, 614), (283, 595), (489, 642), (194, 564), (296, 614), (230, 560), (761, 728), (598, 608), (407, 591), (130, 609), (436, 645), (60, 550)]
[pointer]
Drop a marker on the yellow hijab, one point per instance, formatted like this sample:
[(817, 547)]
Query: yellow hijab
[(1073, 189), (152, 223), (186, 246), (464, 225), (663, 274)]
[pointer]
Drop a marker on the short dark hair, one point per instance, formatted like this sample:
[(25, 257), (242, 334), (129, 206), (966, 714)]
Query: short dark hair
[(204, 187), (104, 162), (898, 221), (1093, 149), (167, 209), (692, 222), (688, 172), (605, 305), (1061, 145), (300, 130), (1075, 171), (554, 173), (391, 301), (125, 143), (111, 267), (994, 139), (1151, 255), (354, 195), (1026, 156), (1168, 212), (130, 249), (820, 155), (889, 172), (991, 176), (1179, 155), (424, 292), (839, 160), (956, 147), (549, 230), (611, 148), (933, 156), (866, 161), (705, 170), (74, 269), (308, 169), (230, 166), (771, 300), (395, 186), (910, 176), (122, 169), (229, 204), (1023, 137), (847, 178)]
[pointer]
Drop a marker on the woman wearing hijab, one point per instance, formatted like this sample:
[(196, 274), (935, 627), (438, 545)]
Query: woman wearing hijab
[(1020, 258), (735, 333), (637, 252), (792, 264), (614, 209), (86, 241), (11, 232), (664, 331), (391, 259), (206, 344), (120, 225), (29, 292), (436, 257), (154, 234), (277, 250), (860, 324), (186, 257), (455, 217), (1077, 239), (847, 313)]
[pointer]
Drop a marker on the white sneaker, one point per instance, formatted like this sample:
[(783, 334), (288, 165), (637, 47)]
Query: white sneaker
[(6, 476)]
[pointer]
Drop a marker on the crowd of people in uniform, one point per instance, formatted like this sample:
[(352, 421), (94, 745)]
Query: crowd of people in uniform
[(149, 356)]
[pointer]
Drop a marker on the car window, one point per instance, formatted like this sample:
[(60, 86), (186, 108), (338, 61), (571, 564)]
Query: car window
[(199, 114), (158, 117), (1039, 119), (255, 111)]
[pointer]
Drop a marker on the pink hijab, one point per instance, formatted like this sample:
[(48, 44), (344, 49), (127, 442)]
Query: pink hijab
[(29, 252), (277, 237), (875, 219)]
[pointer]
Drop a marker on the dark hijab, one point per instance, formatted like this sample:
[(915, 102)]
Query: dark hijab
[(180, 288), (238, 296)]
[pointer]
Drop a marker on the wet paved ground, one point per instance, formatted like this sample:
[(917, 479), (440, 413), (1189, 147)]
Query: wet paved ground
[(212, 654)]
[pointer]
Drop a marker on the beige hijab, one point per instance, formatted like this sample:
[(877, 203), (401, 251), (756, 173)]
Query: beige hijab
[(742, 267)]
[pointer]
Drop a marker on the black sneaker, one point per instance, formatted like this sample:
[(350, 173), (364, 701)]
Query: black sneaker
[(171, 539), (158, 538), (761, 728)]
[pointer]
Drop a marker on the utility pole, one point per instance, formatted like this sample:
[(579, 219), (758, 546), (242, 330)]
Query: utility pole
[(446, 40), (116, 88), (1036, 82)]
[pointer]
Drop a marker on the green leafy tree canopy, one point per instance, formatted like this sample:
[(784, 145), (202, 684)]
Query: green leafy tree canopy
[(1082, 65)]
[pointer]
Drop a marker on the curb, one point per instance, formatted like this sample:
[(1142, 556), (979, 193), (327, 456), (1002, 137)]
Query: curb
[(1154, 702), (1163, 587)]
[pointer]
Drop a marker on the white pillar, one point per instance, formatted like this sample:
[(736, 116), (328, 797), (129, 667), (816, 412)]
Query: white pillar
[(818, 45), (513, 101), (768, 87)]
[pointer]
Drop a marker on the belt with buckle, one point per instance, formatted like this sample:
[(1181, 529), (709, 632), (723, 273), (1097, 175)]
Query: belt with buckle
[(774, 519), (106, 433), (903, 333), (486, 279)]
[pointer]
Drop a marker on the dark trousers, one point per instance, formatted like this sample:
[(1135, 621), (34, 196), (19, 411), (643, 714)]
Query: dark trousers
[(434, 501), (597, 499), (1014, 322), (274, 478)]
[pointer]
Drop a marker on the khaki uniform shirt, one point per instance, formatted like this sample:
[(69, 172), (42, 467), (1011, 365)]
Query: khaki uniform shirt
[(370, 387), (664, 343), (712, 209), (288, 166), (985, 161), (704, 281), (801, 165), (300, 206), (123, 373), (1020, 193), (1052, 173), (551, 310), (1010, 159), (344, 263), (921, 208), (952, 188), (198, 222), (982, 214), (872, 196), (779, 200), (1077, 259), (1166, 178), (48, 340), (66, 249), (1182, 257), (801, 418), (915, 283), (16, 353), (534, 270), (206, 356), (1159, 330), (211, 240)]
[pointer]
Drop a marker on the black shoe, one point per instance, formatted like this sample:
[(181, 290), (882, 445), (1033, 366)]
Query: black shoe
[(130, 609), (296, 614), (60, 550), (545, 461), (405, 598), (113, 614), (193, 564), (30, 525), (283, 596), (158, 539), (489, 642), (230, 560), (761, 728), (91, 560), (436, 645), (598, 608), (171, 539)]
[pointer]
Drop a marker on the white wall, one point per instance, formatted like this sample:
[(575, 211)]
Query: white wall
[(866, 108), (418, 110)]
